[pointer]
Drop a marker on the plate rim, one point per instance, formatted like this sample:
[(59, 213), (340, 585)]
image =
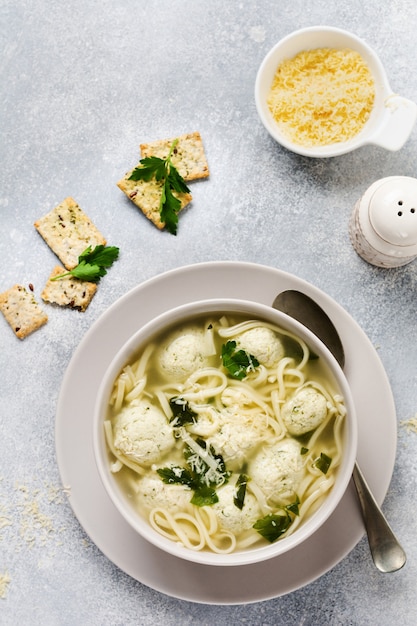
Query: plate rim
[(64, 459)]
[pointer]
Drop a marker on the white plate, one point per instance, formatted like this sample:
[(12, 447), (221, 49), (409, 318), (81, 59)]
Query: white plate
[(95, 511)]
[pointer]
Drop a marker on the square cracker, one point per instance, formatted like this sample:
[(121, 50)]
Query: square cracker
[(21, 311), (147, 196), (188, 156), (68, 232), (68, 291)]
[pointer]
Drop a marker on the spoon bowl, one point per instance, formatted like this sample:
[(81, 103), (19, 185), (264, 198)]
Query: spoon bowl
[(387, 553)]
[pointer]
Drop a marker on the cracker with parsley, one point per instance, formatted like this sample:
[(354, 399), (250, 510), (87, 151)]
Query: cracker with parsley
[(21, 311), (68, 231), (157, 185), (146, 195), (188, 156), (68, 291)]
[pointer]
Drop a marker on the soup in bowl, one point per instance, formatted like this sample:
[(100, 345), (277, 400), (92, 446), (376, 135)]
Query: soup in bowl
[(225, 432)]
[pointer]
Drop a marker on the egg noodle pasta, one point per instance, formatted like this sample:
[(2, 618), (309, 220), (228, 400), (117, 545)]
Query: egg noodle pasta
[(321, 488), (195, 530), (288, 377), (217, 540), (136, 391), (225, 433), (202, 385), (179, 527), (264, 507)]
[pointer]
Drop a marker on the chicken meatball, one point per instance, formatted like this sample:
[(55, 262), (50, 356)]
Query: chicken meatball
[(183, 354), (142, 433), (306, 410), (278, 470), (230, 516), (154, 493), (263, 344), (236, 437)]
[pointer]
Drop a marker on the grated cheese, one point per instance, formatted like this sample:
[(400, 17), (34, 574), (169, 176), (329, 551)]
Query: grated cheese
[(322, 96), (410, 424), (4, 583)]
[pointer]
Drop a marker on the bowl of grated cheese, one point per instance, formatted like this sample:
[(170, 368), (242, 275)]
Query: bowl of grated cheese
[(322, 92)]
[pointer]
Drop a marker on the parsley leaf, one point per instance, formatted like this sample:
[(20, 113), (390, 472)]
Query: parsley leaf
[(182, 414), (92, 264), (198, 475), (201, 469), (204, 496), (149, 167), (273, 526), (294, 507), (101, 255), (165, 172), (323, 463), (176, 476), (177, 181), (169, 208), (239, 498), (238, 362)]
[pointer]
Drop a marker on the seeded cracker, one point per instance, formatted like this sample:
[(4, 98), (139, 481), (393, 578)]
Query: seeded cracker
[(21, 311), (68, 291), (147, 195), (68, 232), (188, 157)]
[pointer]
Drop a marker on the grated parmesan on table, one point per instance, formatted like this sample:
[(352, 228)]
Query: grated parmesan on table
[(410, 424), (4, 583), (322, 96)]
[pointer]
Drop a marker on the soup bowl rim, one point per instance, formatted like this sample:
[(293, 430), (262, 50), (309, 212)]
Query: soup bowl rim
[(126, 354)]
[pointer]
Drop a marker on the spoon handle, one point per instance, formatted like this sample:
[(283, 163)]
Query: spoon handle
[(386, 551)]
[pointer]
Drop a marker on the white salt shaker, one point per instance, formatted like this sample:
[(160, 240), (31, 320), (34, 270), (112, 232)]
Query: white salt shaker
[(383, 224)]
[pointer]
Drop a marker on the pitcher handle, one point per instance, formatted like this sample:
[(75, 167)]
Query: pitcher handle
[(400, 117)]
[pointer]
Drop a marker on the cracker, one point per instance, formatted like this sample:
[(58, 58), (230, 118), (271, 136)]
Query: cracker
[(22, 312), (147, 195), (68, 232), (68, 291), (188, 156)]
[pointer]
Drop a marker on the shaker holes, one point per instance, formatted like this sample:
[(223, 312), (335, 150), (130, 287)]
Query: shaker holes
[(400, 202)]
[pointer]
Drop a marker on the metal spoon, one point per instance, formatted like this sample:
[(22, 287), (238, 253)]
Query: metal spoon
[(386, 551)]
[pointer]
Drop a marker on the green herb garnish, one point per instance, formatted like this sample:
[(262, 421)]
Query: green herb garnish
[(167, 174), (204, 496), (238, 362), (323, 463), (207, 466), (294, 507), (199, 474), (182, 414), (176, 476), (239, 498), (92, 264), (303, 450), (273, 526)]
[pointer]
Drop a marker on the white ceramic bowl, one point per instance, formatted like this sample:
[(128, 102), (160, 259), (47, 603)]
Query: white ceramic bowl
[(391, 120), (127, 353)]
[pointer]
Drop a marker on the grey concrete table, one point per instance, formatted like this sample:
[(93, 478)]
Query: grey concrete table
[(82, 84)]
